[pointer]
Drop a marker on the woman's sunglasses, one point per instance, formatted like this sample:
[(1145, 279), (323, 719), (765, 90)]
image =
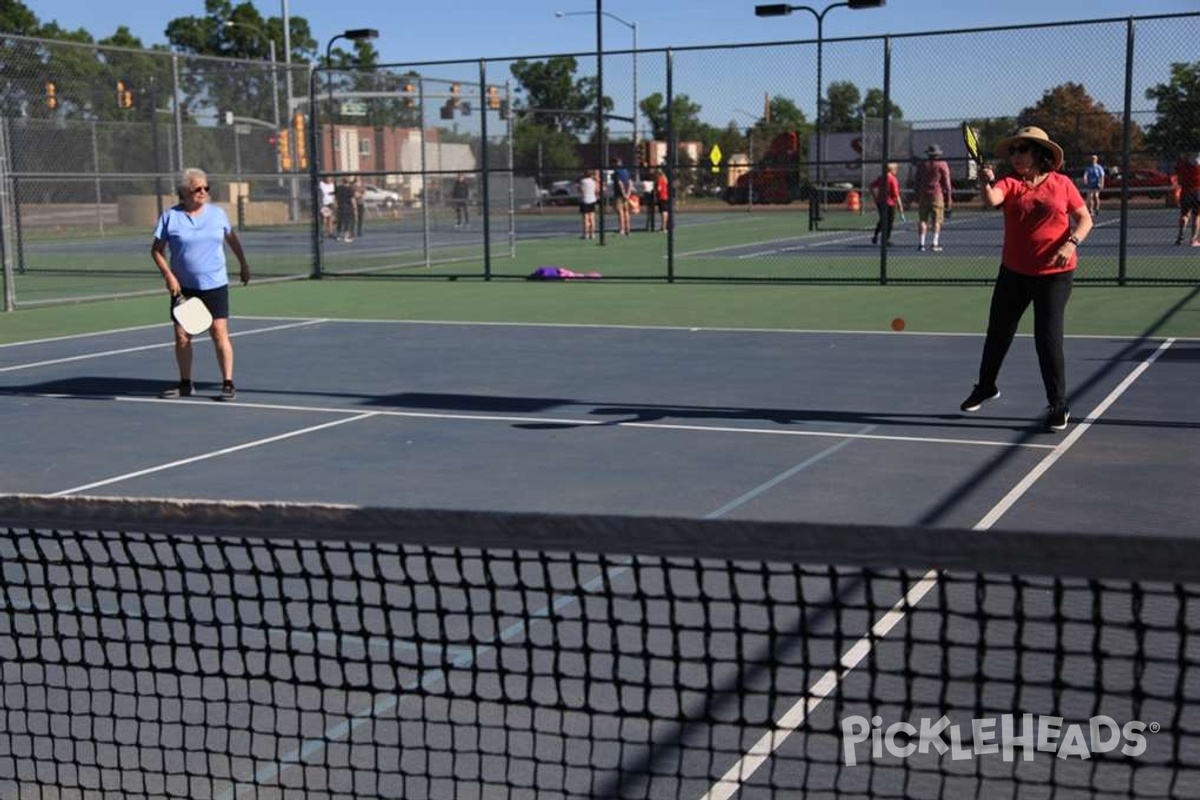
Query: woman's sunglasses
[(1019, 148)]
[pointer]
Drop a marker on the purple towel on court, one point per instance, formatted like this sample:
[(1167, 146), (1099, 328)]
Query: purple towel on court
[(559, 274)]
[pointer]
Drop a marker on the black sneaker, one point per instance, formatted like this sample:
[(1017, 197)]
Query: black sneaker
[(1056, 420), (181, 389), (227, 391), (979, 396)]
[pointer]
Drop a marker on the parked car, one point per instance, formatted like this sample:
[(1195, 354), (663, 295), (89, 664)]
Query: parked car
[(563, 193), (375, 196), (1145, 182)]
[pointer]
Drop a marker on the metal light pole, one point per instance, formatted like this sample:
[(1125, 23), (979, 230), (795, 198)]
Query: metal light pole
[(634, 28), (750, 156), (782, 10), (354, 35), (274, 78), (290, 133)]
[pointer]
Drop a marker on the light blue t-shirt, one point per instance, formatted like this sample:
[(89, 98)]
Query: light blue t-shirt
[(197, 245), (1092, 176)]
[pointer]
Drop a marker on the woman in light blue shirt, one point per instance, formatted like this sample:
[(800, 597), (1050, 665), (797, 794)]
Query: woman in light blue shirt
[(194, 233)]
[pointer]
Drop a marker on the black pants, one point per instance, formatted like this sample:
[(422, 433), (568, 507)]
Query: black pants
[(887, 220), (1011, 295)]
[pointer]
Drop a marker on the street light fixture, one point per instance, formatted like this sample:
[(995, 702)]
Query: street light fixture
[(783, 10), (354, 35), (634, 28)]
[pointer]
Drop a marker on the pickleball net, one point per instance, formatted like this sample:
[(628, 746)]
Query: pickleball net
[(153, 649)]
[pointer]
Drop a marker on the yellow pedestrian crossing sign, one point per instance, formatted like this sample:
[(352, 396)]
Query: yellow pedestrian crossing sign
[(714, 156)]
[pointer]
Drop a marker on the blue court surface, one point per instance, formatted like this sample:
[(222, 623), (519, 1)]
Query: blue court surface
[(415, 674), (743, 424)]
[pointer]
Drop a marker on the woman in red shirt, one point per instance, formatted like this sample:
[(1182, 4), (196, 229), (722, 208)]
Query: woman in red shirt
[(886, 192), (1037, 263), (1187, 173)]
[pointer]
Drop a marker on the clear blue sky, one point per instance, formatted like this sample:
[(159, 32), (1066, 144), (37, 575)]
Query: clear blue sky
[(487, 28)]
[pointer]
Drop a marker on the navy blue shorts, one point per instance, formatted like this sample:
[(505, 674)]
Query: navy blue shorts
[(215, 300)]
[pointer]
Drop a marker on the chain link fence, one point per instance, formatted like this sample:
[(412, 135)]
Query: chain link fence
[(463, 175)]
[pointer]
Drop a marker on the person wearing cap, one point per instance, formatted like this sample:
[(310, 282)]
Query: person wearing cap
[(934, 196), (1037, 263)]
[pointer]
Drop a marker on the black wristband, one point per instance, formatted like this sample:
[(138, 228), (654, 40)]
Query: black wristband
[(1073, 239)]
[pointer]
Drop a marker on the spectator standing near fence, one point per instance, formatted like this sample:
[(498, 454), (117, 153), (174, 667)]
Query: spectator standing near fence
[(588, 197), (1093, 183), (326, 189), (934, 196), (662, 197), (1037, 263), (460, 196), (343, 200), (1187, 173), (622, 185), (360, 206)]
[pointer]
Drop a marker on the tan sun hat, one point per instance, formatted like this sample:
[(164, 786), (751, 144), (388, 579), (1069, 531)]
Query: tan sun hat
[(1032, 134)]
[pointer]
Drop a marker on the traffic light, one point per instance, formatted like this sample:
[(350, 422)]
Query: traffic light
[(282, 140), (51, 95), (505, 109), (301, 141), (493, 98), (124, 95)]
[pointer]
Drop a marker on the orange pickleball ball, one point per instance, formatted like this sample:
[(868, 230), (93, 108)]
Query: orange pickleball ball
[(898, 324)]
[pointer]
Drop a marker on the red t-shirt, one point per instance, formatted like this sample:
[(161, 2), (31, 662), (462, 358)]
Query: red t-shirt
[(1187, 172), (660, 188), (1037, 222), (892, 194)]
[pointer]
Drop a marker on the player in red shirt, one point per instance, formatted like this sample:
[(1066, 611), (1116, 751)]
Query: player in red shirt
[(1037, 263), (886, 192), (1187, 173)]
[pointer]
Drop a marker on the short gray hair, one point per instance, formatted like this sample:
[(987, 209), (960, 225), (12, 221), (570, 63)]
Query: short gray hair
[(191, 174)]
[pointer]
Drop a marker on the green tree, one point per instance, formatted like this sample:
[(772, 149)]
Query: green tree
[(842, 108), (684, 115), (553, 97), (16, 19), (545, 154), (1178, 105), (872, 106)]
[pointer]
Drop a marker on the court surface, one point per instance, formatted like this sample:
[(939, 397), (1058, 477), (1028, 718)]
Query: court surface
[(763, 425), (738, 424)]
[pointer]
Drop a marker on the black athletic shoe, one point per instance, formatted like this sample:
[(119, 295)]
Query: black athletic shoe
[(181, 389), (227, 391), (979, 396), (1056, 420)]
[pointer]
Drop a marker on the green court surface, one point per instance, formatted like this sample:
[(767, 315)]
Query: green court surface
[(1094, 310)]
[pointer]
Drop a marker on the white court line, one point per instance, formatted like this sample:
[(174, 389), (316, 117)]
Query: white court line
[(437, 675), (731, 782), (213, 454), (90, 334), (577, 422), (140, 348)]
